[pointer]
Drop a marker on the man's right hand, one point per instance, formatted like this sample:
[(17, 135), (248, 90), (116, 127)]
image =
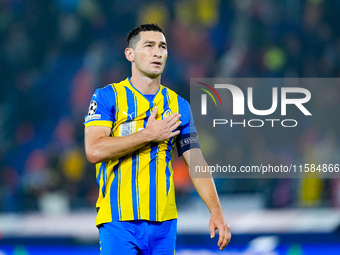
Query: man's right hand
[(161, 130)]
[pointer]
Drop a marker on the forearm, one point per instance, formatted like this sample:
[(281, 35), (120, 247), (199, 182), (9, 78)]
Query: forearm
[(105, 148), (206, 189), (203, 182)]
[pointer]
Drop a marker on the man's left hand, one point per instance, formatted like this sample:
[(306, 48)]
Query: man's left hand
[(217, 221)]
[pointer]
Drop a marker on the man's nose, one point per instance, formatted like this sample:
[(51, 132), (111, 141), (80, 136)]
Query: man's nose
[(157, 52)]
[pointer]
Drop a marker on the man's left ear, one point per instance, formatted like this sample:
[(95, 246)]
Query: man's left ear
[(129, 54)]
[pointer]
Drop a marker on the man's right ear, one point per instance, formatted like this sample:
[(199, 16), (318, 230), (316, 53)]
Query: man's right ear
[(129, 54)]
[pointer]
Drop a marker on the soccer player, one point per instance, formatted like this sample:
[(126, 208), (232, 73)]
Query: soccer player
[(130, 133)]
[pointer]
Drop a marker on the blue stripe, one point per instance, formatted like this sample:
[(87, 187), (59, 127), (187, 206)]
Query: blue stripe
[(103, 166), (167, 172), (136, 106), (99, 175), (118, 195), (166, 103), (137, 173), (148, 112), (157, 184), (153, 181), (166, 99), (137, 168), (131, 111), (168, 159), (133, 186), (152, 172), (114, 195), (116, 104)]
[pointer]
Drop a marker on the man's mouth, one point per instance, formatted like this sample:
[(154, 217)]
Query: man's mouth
[(156, 62)]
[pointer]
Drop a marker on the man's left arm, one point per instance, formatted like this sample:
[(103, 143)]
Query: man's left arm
[(205, 187)]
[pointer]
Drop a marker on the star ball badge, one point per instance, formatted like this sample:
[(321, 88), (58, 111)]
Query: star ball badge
[(92, 108)]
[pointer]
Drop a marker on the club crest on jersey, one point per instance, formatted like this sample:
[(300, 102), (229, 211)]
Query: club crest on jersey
[(167, 113), (92, 108)]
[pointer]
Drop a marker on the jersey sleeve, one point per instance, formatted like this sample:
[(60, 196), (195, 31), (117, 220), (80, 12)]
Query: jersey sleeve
[(187, 139), (101, 109)]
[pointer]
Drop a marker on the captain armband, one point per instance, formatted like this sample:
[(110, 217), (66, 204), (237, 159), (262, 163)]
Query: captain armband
[(186, 142)]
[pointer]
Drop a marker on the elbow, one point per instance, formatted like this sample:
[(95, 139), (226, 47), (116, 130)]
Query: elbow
[(93, 156)]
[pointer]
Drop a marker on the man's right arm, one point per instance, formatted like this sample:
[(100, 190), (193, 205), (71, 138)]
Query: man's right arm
[(100, 147)]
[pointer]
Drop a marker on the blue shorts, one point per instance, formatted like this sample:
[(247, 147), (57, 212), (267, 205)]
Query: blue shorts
[(138, 237)]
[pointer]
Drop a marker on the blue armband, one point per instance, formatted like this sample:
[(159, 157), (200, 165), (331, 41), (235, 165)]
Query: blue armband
[(186, 142)]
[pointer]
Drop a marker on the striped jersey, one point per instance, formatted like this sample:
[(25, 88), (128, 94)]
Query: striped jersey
[(137, 186)]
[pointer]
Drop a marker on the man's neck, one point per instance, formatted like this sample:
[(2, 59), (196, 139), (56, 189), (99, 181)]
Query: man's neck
[(146, 85)]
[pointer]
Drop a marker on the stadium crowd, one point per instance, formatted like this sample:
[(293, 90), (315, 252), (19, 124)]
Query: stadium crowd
[(54, 54)]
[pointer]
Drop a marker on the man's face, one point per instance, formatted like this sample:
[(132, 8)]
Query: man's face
[(150, 53)]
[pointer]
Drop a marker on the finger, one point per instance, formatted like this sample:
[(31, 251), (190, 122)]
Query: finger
[(174, 120), (212, 231), (174, 133), (154, 113), (221, 235), (171, 117), (226, 238), (224, 243), (175, 126), (212, 234)]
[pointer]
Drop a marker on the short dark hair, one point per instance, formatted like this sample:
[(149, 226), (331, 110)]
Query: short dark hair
[(134, 37)]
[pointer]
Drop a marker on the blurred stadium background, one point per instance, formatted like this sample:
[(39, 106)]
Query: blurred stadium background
[(55, 53)]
